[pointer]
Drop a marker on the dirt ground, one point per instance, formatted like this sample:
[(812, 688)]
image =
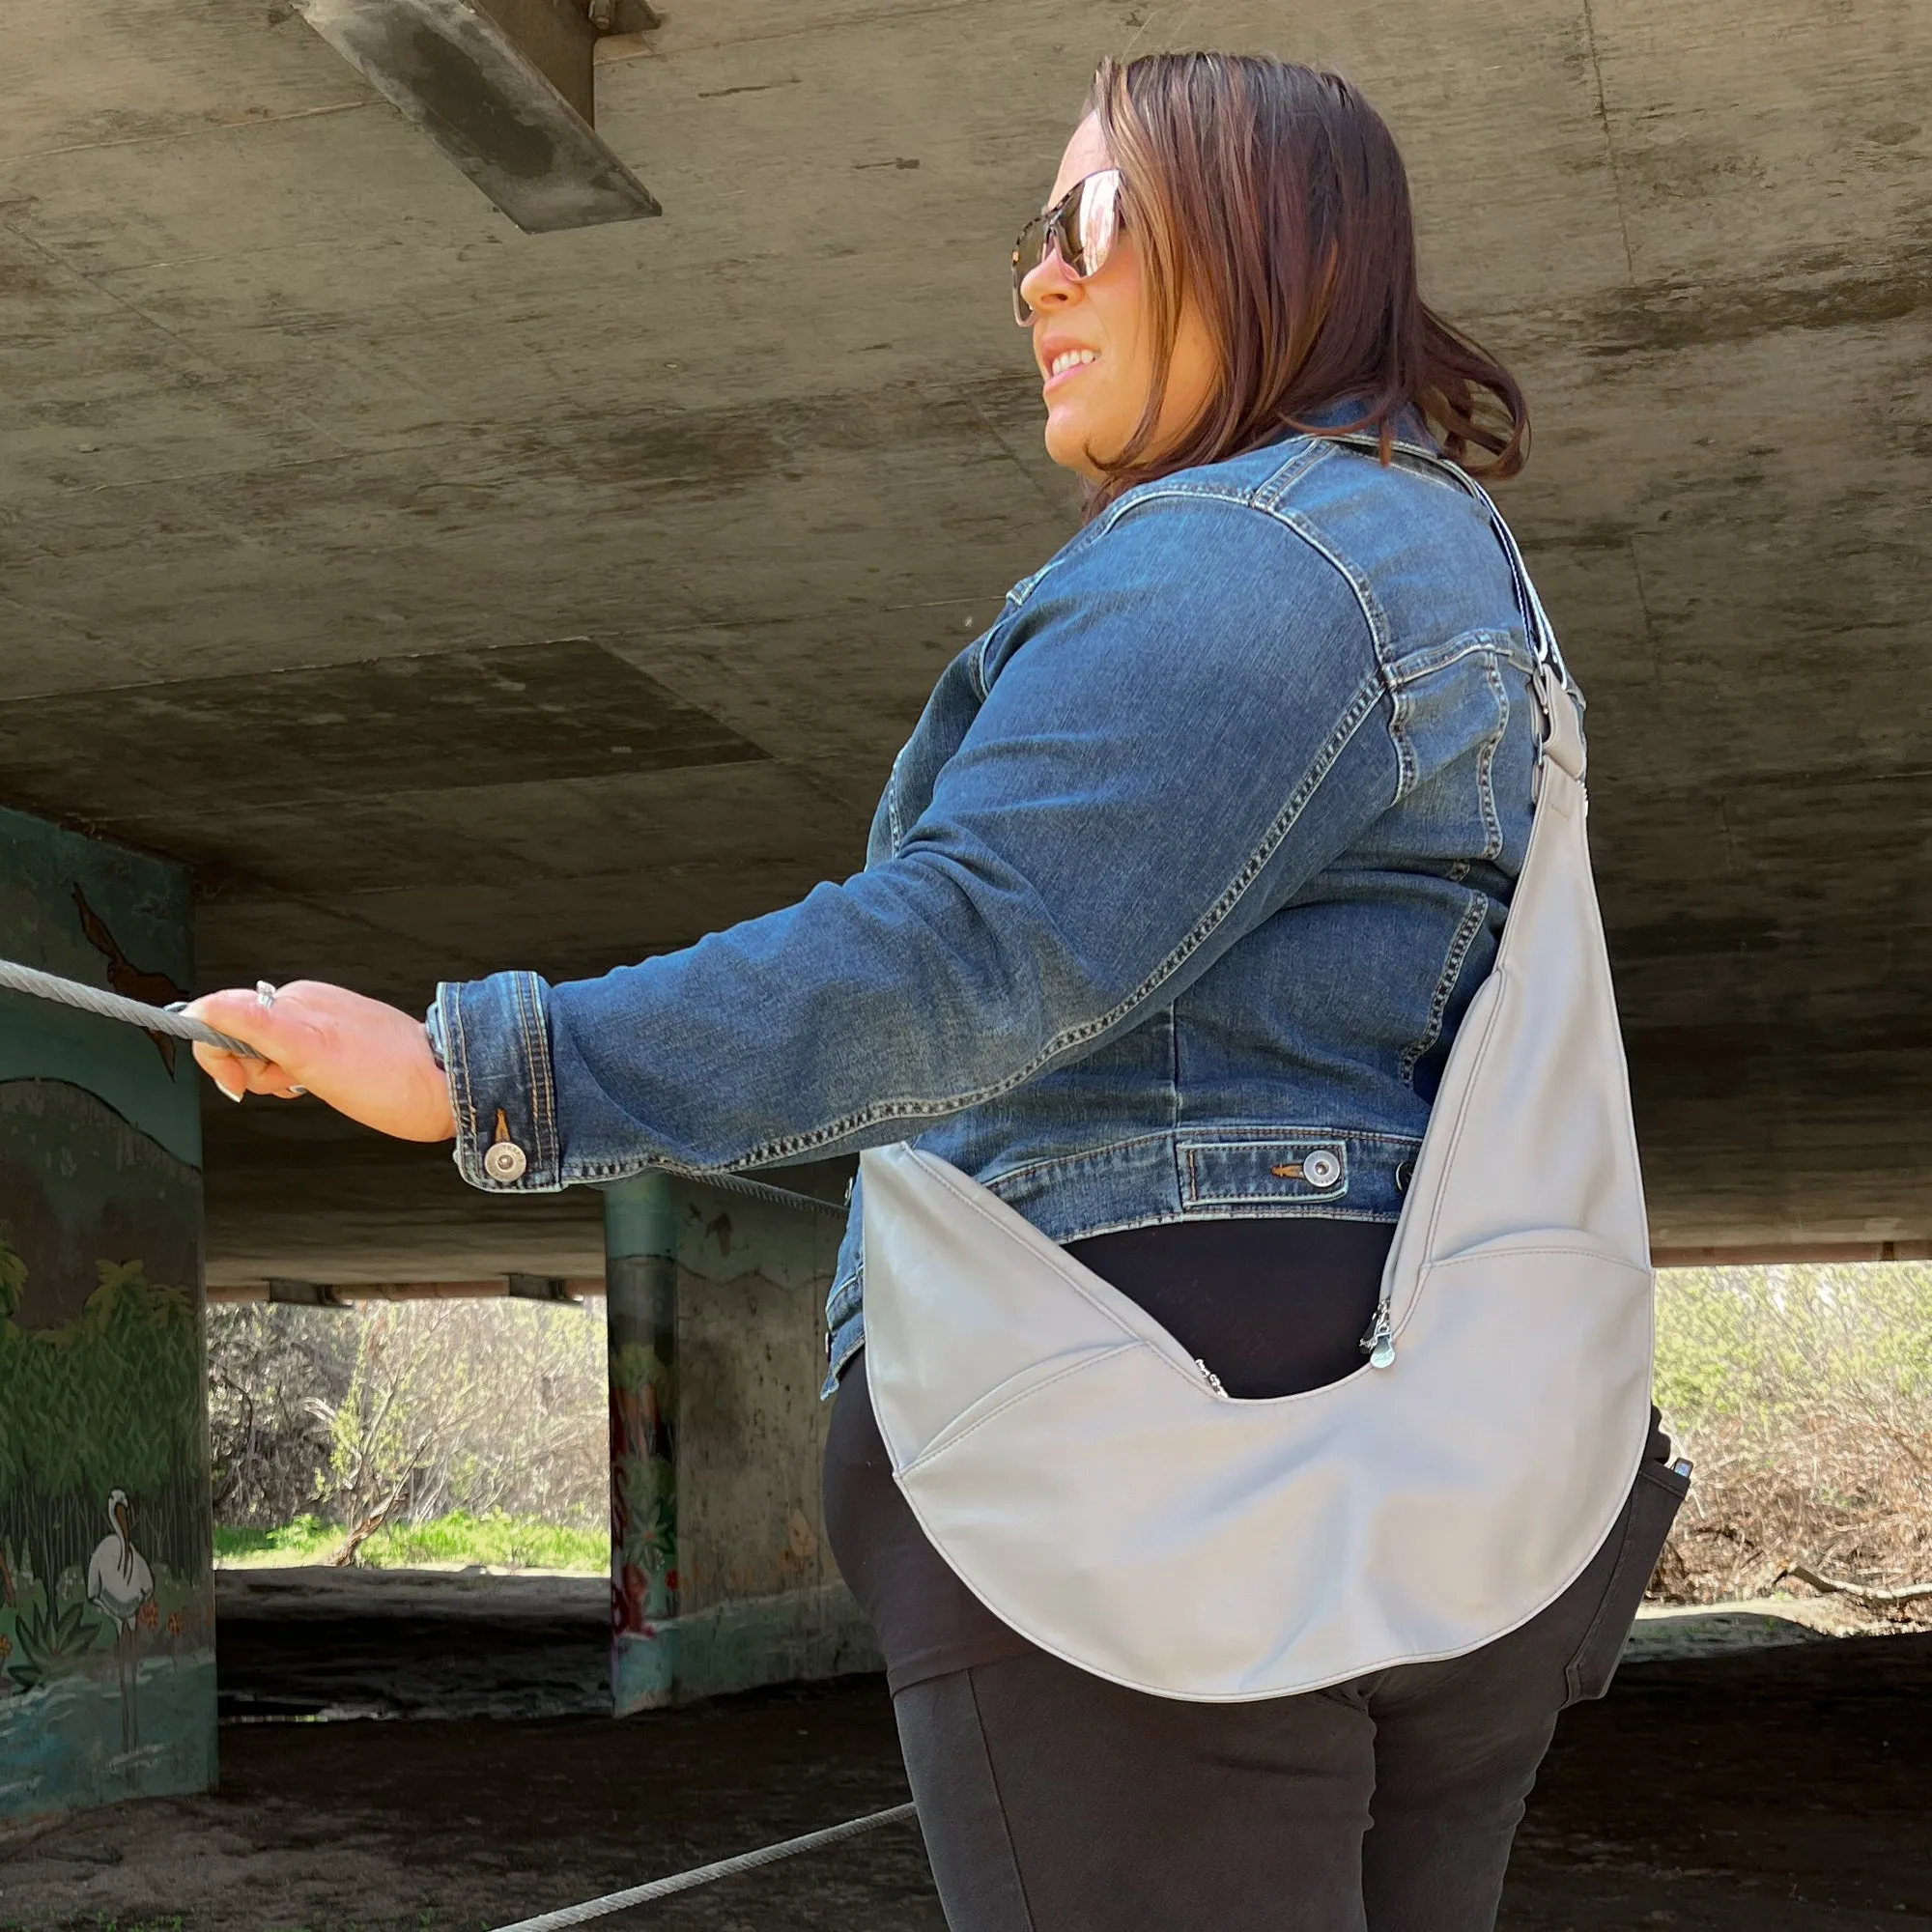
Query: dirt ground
[(1769, 1789)]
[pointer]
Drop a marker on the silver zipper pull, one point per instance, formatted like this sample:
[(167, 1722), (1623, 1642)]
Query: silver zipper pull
[(1378, 1344), (1212, 1379)]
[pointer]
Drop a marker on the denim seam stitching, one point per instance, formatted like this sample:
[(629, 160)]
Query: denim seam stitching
[(468, 1162), (530, 1036), (526, 1071), (1161, 490), (1373, 614), (1233, 1137), (1380, 640), (1407, 774), (894, 830), (1417, 665), (1368, 695), (1195, 1148), (1486, 764), (1290, 471), (529, 1070), (550, 1139), (1470, 923)]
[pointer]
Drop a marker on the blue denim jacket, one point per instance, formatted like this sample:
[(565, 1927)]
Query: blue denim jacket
[(1171, 909)]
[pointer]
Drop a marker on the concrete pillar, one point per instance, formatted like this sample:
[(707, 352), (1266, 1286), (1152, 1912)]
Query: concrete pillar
[(107, 1598), (721, 1580)]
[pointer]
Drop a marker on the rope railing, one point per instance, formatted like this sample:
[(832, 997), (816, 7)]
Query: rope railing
[(38, 986), (662, 1888)]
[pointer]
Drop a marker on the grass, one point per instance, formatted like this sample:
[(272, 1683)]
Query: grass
[(496, 1542), (306, 1540)]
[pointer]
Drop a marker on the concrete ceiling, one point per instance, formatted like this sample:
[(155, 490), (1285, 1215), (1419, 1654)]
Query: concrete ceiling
[(452, 598)]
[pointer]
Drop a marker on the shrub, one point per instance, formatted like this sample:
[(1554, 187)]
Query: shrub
[(1804, 1396)]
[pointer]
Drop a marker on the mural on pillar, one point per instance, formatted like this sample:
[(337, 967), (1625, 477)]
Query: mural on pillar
[(644, 1457), (106, 1608)]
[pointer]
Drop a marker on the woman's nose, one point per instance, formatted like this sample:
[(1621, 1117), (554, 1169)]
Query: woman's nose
[(1047, 284)]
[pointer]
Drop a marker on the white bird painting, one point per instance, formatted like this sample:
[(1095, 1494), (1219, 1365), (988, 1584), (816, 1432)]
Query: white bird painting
[(118, 1582)]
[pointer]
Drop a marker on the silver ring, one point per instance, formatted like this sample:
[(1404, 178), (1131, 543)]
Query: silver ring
[(264, 993)]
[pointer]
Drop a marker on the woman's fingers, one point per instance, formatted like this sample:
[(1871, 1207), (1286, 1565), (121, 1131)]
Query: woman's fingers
[(229, 1073), (278, 1033), (252, 1021), (238, 1077), (367, 1060)]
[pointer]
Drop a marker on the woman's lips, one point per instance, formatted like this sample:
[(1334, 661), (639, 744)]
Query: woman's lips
[(1065, 365)]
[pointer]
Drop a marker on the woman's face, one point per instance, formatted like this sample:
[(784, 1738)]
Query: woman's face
[(1093, 404)]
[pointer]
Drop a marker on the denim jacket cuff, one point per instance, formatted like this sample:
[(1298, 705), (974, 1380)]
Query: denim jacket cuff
[(495, 1035)]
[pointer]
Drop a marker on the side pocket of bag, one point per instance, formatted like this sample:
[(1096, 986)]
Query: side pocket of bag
[(1655, 1497)]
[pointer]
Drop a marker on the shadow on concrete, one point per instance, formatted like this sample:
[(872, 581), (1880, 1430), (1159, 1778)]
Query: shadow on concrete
[(323, 1643), (1779, 1787)]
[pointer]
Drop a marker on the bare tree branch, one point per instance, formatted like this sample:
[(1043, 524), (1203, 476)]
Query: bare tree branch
[(1862, 1593)]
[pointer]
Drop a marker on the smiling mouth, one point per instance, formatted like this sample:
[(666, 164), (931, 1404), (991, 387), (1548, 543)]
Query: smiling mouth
[(1068, 360)]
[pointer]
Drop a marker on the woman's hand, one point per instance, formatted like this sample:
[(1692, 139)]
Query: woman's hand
[(368, 1060)]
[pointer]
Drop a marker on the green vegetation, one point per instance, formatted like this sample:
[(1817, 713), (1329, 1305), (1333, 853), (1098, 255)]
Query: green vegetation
[(1804, 1395), (112, 1400), (410, 1412), (47, 1641), (496, 1541), (1795, 1342), (305, 1540)]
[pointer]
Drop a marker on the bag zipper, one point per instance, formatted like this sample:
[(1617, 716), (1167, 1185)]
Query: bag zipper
[(1378, 1344)]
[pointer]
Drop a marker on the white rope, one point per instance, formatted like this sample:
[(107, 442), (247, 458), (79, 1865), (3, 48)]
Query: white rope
[(662, 1888), (113, 1006)]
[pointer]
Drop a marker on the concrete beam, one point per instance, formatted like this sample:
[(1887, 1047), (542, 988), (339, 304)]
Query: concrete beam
[(504, 89), (1791, 1254), (290, 1292)]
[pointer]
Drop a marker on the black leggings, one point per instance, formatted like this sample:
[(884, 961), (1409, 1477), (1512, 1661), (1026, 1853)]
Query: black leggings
[(1053, 1802)]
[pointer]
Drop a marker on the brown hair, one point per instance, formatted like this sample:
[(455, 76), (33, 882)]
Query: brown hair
[(1274, 197)]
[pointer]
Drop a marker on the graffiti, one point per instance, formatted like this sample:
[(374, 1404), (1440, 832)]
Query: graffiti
[(47, 1642), (96, 1629), (120, 1586), (106, 1640), (643, 1489)]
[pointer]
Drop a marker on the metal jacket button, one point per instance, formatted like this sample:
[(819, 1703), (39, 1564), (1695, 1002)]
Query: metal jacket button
[(505, 1162), (1321, 1169), (504, 1159)]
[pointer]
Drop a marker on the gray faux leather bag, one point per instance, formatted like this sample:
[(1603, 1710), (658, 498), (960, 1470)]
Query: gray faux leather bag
[(1097, 1489)]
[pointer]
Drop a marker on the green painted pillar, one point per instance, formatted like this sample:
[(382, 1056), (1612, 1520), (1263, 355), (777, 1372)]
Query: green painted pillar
[(721, 1580), (106, 1586)]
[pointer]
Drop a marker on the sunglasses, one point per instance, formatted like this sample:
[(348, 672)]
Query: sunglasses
[(1080, 228)]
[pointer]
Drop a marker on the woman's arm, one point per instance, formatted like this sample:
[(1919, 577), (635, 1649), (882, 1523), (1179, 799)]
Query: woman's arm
[(1171, 743)]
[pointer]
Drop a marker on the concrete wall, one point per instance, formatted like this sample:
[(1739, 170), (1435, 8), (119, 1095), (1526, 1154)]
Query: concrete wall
[(107, 1607), (720, 1576)]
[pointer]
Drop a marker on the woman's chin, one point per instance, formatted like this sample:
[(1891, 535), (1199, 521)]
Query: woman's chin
[(1069, 444)]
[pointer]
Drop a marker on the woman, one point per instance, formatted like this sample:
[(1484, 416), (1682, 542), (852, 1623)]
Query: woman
[(1172, 907)]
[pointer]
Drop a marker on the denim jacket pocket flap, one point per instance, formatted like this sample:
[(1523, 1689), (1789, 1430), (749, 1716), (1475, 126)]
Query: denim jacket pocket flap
[(1214, 1172)]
